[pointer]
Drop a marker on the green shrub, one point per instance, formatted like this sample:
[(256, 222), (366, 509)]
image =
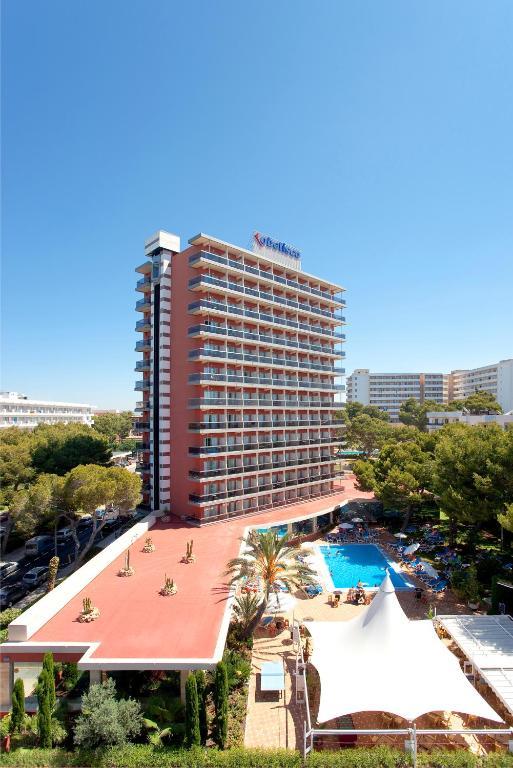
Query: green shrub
[(221, 705), (8, 615), (441, 758), (18, 706), (49, 666), (192, 728), (201, 685), (105, 720), (238, 669), (70, 675), (377, 757)]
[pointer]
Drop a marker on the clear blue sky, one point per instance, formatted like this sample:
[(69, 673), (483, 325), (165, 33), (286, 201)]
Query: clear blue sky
[(375, 136)]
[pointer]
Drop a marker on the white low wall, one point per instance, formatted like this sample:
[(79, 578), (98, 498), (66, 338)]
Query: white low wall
[(22, 628)]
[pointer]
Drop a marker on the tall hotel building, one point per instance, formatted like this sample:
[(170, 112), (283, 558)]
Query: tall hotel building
[(240, 372)]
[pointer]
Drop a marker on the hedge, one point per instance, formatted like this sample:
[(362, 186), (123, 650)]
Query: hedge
[(148, 756)]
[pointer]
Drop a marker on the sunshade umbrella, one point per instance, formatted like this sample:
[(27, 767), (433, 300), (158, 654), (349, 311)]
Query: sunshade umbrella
[(428, 568), (280, 602), (346, 526), (357, 520), (400, 536), (411, 549)]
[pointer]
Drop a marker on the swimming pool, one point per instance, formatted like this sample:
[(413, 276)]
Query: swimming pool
[(280, 530), (350, 563)]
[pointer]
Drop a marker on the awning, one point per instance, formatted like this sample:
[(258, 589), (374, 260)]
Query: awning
[(383, 662)]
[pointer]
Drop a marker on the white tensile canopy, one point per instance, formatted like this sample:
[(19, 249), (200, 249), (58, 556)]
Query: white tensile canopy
[(383, 662)]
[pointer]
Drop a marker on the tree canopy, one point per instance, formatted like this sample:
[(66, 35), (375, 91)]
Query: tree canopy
[(114, 426), (481, 402), (60, 447)]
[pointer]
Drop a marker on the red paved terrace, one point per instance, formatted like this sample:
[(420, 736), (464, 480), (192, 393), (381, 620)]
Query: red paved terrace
[(137, 623)]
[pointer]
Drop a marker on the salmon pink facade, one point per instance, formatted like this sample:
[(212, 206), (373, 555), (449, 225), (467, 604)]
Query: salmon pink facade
[(240, 365)]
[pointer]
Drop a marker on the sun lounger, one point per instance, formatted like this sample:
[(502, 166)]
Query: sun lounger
[(440, 587)]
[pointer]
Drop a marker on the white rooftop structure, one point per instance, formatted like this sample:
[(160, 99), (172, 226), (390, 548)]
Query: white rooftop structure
[(487, 641), (381, 661), (17, 410)]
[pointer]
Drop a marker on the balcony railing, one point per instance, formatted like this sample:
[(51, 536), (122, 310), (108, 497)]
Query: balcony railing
[(196, 257), (143, 345), (207, 280), (208, 305), (241, 469), (261, 402), (142, 365), (143, 325), (143, 305), (208, 450), (262, 338), (143, 284), (142, 384), (199, 378), (196, 354), (260, 488), (195, 426)]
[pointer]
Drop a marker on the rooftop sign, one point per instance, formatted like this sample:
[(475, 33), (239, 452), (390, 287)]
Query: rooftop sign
[(264, 241)]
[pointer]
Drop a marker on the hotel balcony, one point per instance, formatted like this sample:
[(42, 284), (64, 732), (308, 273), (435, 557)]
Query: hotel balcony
[(207, 353), (258, 489), (261, 402), (143, 345), (206, 282), (143, 325), (142, 384), (213, 306), (262, 445), (263, 381), (203, 258), (261, 338), (208, 426), (259, 466), (144, 284), (143, 305), (142, 365), (144, 268)]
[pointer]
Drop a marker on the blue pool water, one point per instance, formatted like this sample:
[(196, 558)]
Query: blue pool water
[(281, 530), (350, 563)]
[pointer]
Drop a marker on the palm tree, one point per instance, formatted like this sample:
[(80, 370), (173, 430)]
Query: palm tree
[(270, 558), (245, 609)]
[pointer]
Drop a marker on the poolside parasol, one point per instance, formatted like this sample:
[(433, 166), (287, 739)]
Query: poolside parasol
[(346, 526), (357, 519), (411, 549), (280, 602), (400, 536), (429, 570)]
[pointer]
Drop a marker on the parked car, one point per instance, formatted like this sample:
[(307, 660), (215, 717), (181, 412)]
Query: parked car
[(8, 569), (35, 576), (39, 544), (85, 522), (64, 534), (10, 595)]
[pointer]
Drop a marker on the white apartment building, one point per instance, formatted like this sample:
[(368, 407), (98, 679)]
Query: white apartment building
[(438, 419), (496, 379), (387, 391), (20, 411)]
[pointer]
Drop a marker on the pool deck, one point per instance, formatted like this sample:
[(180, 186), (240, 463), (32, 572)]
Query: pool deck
[(276, 723), (326, 577)]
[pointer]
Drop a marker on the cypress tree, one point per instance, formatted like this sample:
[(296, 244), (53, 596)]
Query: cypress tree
[(221, 705), (44, 715), (202, 702), (48, 665), (18, 706), (192, 729)]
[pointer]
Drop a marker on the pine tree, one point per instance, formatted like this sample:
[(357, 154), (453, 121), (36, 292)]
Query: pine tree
[(44, 714), (18, 706), (192, 729), (48, 665), (221, 705), (202, 702)]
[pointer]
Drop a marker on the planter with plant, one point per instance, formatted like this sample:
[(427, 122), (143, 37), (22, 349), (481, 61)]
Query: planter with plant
[(189, 557), (169, 587), (149, 546), (127, 570), (471, 588), (89, 611)]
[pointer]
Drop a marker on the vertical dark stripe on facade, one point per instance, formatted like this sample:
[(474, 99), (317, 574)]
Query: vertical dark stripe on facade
[(156, 396)]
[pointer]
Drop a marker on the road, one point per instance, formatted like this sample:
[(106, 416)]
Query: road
[(65, 552)]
